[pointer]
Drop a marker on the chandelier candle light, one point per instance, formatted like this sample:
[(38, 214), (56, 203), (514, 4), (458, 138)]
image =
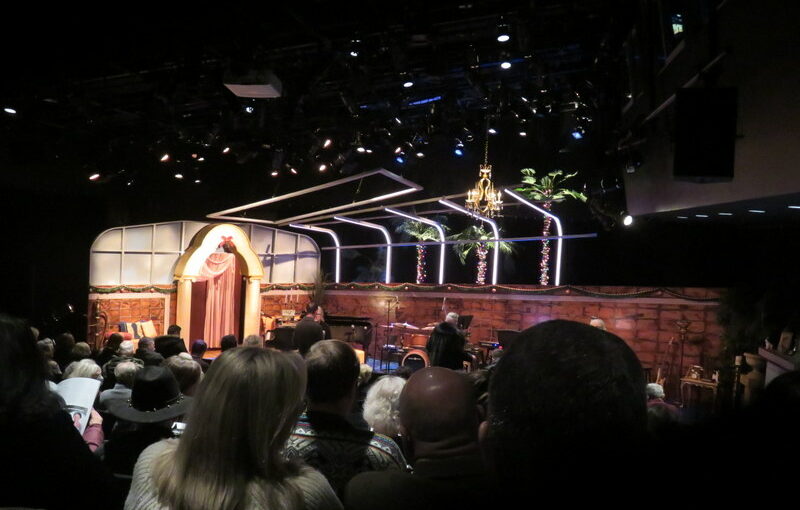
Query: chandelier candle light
[(483, 199)]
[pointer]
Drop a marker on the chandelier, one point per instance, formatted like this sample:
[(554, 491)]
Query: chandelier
[(483, 199)]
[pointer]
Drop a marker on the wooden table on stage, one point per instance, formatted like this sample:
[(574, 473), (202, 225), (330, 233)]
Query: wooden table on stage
[(702, 384)]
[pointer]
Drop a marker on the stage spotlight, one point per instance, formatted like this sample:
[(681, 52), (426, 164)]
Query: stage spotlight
[(201, 159), (226, 150), (398, 150), (197, 181), (179, 176), (369, 151), (327, 143), (249, 109), (505, 65), (503, 38), (274, 173), (408, 84), (458, 151), (323, 167), (492, 131), (578, 133), (523, 133), (94, 177), (361, 150), (353, 53), (420, 154), (293, 170), (468, 136), (627, 220), (165, 158), (503, 31), (398, 122), (400, 160), (194, 155), (10, 110)]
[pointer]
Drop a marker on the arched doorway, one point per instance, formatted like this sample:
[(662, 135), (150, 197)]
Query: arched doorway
[(189, 266)]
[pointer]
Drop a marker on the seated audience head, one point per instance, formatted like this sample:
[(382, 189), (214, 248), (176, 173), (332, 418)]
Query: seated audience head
[(253, 341), (46, 347), (126, 349), (83, 368), (452, 318), (599, 323), (495, 355), (333, 369), (81, 350), (187, 371), (23, 393), (439, 413), (255, 390), (113, 342), (169, 345), (147, 344), (563, 399), (311, 309), (364, 374), (199, 347), (125, 373), (174, 330), (404, 372), (35, 332), (155, 398), (228, 342), (63, 346), (654, 391), (382, 405)]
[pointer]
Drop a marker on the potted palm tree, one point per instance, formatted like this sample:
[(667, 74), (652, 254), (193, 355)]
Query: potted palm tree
[(420, 232), (480, 245), (547, 189)]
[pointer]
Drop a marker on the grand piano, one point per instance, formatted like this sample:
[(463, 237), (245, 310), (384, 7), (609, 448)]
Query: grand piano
[(359, 330)]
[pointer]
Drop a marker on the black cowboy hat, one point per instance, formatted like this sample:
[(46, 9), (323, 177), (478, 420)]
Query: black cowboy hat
[(155, 397)]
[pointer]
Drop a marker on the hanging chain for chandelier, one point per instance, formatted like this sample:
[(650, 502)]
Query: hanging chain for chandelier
[(483, 199)]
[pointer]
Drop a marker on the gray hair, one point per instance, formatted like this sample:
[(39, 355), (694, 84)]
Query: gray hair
[(452, 318), (382, 405), (84, 368), (125, 372), (126, 348), (253, 341), (46, 347), (654, 390)]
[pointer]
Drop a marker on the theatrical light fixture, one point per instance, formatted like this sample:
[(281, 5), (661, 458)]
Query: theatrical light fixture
[(435, 225), (682, 217), (274, 173), (398, 122), (458, 151), (226, 150), (179, 176), (627, 220), (398, 150), (701, 215), (420, 154), (757, 211), (10, 110), (492, 131), (408, 84), (197, 181), (353, 53), (327, 143), (94, 177), (194, 155), (369, 151), (335, 242), (292, 170), (794, 207), (505, 65), (386, 235), (523, 133), (400, 160), (201, 159), (361, 150), (578, 133), (725, 214), (165, 158), (503, 32), (503, 38), (249, 109), (483, 199), (323, 167)]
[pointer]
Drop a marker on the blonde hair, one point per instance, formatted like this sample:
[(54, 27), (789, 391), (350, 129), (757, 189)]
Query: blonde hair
[(86, 367), (230, 454), (382, 405)]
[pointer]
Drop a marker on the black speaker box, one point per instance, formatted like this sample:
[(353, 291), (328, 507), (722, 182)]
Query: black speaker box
[(705, 134)]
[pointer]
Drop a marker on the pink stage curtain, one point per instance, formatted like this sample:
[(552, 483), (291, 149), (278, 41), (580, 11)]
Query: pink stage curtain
[(219, 271)]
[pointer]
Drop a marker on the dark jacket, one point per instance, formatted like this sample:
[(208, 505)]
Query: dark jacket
[(150, 358), (168, 345), (446, 347), (307, 333)]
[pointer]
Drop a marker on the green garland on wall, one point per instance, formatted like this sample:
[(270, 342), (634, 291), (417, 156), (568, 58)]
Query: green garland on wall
[(161, 289), (483, 289)]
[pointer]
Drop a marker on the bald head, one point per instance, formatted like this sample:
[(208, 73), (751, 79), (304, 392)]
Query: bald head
[(438, 405)]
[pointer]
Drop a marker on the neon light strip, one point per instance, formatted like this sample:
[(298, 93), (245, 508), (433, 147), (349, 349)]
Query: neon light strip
[(558, 228), (435, 225), (385, 232), (495, 230), (333, 236)]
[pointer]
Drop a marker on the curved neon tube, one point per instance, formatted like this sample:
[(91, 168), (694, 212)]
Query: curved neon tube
[(495, 230), (435, 225), (558, 229), (385, 232), (335, 241)]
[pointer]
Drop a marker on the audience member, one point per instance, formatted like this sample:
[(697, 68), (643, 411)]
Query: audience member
[(446, 344), (124, 375), (382, 406), (45, 457), (46, 347), (83, 368), (564, 400), (253, 341), (660, 413), (174, 330), (146, 351), (598, 323), (169, 345), (308, 331), (228, 342), (124, 353), (80, 350), (186, 370), (109, 349), (439, 422), (63, 349), (199, 348), (259, 391), (323, 437), (145, 418)]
